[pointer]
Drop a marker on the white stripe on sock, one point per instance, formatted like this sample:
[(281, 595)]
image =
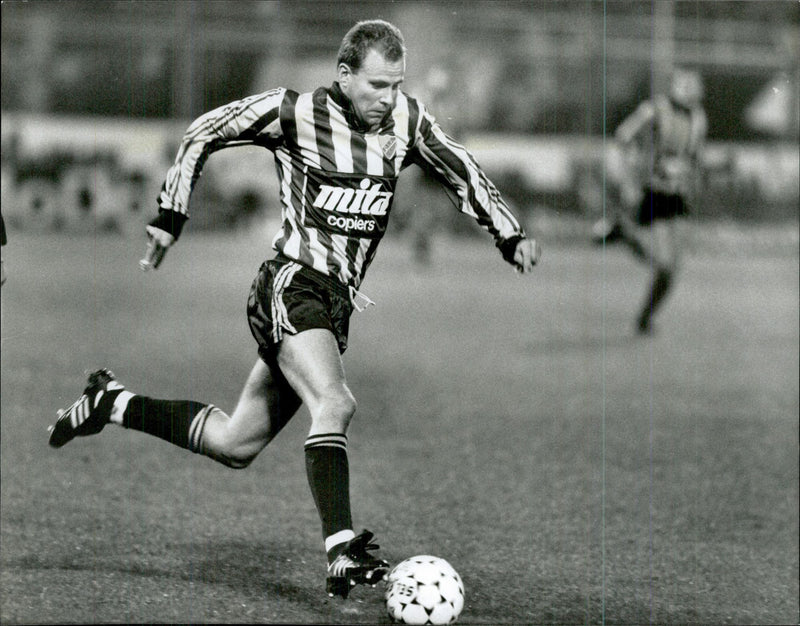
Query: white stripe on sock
[(196, 428), (120, 404), (337, 538)]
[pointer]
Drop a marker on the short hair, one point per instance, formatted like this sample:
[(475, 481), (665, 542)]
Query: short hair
[(384, 37)]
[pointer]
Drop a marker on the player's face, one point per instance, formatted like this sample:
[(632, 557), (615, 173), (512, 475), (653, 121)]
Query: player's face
[(687, 88), (373, 88)]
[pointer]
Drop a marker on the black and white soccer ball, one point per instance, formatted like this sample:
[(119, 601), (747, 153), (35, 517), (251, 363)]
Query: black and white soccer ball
[(424, 590)]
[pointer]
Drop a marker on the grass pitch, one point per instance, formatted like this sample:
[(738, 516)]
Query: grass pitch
[(572, 472)]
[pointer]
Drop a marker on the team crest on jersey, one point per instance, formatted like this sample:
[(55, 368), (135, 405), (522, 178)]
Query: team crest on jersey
[(388, 145)]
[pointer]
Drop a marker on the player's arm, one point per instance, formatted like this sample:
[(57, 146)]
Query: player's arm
[(634, 125), (456, 167), (252, 120), (634, 140)]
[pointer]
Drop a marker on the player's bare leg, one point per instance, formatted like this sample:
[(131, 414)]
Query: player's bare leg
[(266, 404), (311, 363), (622, 230), (657, 246)]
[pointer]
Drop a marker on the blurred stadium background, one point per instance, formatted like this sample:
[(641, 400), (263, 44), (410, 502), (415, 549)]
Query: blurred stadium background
[(96, 95)]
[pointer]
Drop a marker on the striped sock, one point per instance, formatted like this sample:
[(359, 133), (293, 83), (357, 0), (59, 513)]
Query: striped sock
[(181, 422), (329, 478)]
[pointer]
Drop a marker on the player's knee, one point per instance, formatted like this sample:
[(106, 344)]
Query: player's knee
[(336, 407), (240, 463), (235, 458), (341, 406), (233, 451)]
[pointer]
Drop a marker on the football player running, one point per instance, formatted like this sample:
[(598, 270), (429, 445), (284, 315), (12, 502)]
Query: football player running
[(338, 153), (3, 241), (661, 143)]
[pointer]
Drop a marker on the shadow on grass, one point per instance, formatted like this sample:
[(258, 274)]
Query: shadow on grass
[(205, 578), (577, 343), (246, 567)]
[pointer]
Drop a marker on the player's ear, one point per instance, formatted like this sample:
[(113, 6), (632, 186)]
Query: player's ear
[(344, 72)]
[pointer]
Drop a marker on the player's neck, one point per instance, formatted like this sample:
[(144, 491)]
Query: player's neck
[(340, 98)]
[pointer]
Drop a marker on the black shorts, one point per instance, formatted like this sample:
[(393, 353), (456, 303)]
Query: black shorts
[(660, 206), (287, 297)]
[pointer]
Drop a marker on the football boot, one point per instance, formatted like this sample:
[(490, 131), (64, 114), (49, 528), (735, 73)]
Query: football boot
[(644, 326), (355, 566), (90, 413)]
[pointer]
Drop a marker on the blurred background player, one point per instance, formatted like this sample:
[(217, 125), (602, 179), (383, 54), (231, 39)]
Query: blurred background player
[(339, 152), (3, 241), (661, 144)]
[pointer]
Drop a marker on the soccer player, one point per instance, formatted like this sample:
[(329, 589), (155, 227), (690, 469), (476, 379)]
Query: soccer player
[(662, 141), (338, 153), (3, 241)]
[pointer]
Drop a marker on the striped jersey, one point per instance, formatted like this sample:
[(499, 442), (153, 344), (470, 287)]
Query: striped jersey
[(672, 136), (336, 178)]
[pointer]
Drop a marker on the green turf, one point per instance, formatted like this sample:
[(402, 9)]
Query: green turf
[(570, 471)]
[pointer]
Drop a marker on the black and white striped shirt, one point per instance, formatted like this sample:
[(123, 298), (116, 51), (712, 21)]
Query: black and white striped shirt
[(337, 179), (670, 138)]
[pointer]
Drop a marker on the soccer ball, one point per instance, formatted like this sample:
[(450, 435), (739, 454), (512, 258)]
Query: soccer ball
[(424, 590)]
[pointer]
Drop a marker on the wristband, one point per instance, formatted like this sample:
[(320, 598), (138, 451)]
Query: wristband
[(508, 247), (169, 221)]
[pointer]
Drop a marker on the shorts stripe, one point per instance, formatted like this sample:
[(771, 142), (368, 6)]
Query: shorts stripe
[(280, 316), (289, 297)]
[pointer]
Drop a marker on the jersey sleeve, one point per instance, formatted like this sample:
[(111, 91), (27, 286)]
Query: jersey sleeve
[(456, 167), (252, 120), (632, 126)]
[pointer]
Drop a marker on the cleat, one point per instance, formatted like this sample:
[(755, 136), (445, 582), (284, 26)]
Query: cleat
[(606, 231), (644, 328), (355, 566), (337, 588), (90, 413)]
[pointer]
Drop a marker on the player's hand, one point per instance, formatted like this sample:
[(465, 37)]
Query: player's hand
[(158, 243), (527, 255)]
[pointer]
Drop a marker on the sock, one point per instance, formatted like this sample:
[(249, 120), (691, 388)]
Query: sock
[(334, 544), (328, 474), (120, 404), (180, 422), (659, 289)]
